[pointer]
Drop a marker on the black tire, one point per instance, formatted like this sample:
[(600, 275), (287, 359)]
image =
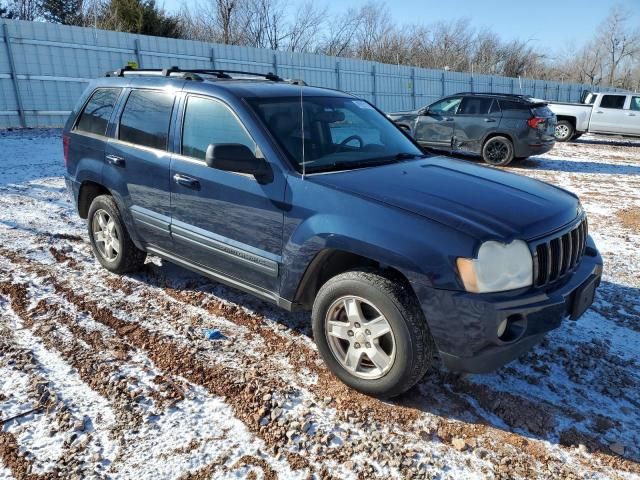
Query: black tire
[(564, 131), (129, 258), (520, 159), (413, 344), (498, 151)]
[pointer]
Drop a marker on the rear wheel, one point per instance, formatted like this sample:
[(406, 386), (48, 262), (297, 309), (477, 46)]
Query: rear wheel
[(564, 131), (498, 151), (371, 333), (109, 238)]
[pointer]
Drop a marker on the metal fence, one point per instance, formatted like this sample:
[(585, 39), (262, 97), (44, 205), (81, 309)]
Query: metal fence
[(44, 67)]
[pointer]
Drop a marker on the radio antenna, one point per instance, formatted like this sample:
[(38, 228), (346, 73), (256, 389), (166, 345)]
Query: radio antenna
[(302, 132)]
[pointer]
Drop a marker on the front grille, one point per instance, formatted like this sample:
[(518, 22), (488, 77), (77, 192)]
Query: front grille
[(556, 257)]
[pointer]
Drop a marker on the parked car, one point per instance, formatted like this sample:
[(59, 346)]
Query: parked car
[(312, 199), (498, 127), (606, 113)]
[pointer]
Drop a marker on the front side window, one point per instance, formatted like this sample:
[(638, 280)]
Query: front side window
[(332, 133), (95, 116), (613, 101), (446, 106), (146, 118), (208, 121), (475, 106), (635, 104)]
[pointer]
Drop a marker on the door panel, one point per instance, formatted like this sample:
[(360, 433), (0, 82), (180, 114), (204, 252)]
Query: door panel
[(474, 120), (137, 164), (609, 114), (632, 113), (435, 127), (227, 222)]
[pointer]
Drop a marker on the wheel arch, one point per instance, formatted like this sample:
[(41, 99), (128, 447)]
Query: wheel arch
[(330, 262), (89, 190)]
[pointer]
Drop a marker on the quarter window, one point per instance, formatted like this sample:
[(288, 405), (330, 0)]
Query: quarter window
[(96, 115), (209, 121), (145, 119), (475, 106), (613, 101), (635, 103)]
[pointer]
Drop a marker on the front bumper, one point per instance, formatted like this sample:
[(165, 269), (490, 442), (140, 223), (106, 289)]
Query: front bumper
[(465, 325)]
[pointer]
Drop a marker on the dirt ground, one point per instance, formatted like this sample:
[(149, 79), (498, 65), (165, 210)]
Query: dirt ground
[(103, 376)]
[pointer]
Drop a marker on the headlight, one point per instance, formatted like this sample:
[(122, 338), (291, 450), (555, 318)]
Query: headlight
[(499, 267)]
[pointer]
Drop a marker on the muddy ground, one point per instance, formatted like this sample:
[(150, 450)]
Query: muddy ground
[(103, 376)]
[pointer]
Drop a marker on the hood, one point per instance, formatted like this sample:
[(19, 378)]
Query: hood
[(481, 201)]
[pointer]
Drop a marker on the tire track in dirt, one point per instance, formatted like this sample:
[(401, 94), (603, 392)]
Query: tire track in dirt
[(63, 422)]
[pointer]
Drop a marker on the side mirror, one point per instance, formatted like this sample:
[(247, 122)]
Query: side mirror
[(424, 111), (235, 157)]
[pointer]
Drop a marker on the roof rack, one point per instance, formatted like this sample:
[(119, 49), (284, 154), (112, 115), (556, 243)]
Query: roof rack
[(496, 94), (194, 74)]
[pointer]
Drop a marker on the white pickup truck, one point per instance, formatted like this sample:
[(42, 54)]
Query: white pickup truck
[(607, 113)]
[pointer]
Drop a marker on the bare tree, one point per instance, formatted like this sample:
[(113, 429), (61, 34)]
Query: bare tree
[(305, 29), (621, 43)]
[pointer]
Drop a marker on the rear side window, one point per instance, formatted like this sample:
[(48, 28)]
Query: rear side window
[(635, 103), (145, 119), (613, 101), (511, 105), (95, 116), (475, 106), (208, 121), (542, 112)]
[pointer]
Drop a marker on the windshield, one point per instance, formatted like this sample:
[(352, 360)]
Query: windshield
[(339, 133)]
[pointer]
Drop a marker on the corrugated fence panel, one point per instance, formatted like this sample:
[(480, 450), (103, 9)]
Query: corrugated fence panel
[(53, 63)]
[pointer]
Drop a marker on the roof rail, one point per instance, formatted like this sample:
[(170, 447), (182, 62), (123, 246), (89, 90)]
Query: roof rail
[(514, 95), (191, 74)]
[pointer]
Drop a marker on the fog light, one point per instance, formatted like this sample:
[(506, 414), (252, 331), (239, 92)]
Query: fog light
[(512, 328), (502, 327)]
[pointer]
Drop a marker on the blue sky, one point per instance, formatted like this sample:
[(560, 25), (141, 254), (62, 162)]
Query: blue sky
[(553, 26)]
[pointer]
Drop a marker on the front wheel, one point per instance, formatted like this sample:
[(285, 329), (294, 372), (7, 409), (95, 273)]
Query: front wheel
[(564, 131), (498, 151), (371, 333)]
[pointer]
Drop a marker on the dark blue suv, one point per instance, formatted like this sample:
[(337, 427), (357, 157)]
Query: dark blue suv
[(313, 199)]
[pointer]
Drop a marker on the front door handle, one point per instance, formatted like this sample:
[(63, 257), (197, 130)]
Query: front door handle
[(116, 160), (631, 114), (186, 181), (490, 120)]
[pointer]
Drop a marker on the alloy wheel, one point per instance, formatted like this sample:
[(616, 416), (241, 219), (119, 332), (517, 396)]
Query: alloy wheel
[(360, 337), (562, 131), (105, 235), (497, 152)]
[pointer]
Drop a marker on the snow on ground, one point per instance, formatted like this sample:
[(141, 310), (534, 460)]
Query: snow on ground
[(112, 377)]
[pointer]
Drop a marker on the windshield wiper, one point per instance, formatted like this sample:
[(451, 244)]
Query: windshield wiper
[(348, 165), (408, 156)]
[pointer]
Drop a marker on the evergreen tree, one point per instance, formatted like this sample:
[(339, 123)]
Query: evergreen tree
[(140, 16), (66, 12)]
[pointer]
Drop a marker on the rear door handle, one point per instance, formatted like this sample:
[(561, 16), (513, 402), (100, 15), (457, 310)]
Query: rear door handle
[(631, 114), (599, 111), (186, 181), (447, 119), (116, 160)]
